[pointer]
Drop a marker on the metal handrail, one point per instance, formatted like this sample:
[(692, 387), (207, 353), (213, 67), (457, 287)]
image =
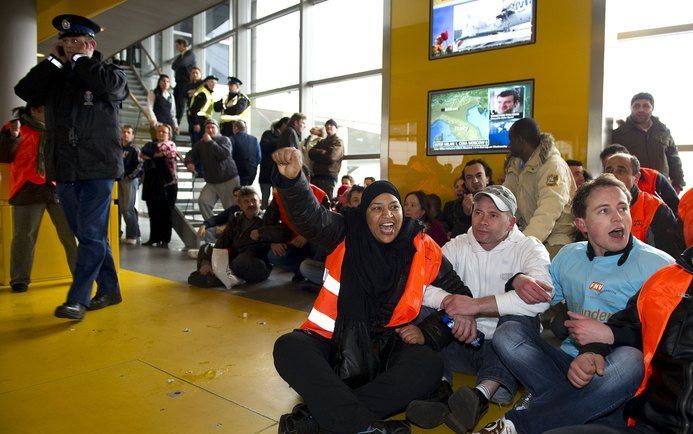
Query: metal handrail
[(151, 59)]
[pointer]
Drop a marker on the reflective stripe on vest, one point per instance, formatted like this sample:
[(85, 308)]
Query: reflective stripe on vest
[(424, 270), (658, 298), (642, 212), (241, 117), (207, 110)]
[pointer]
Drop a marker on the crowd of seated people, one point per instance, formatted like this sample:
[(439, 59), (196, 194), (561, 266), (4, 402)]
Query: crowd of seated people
[(492, 261)]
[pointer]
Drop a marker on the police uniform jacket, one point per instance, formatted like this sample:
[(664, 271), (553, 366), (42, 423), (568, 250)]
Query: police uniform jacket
[(82, 130), (544, 187)]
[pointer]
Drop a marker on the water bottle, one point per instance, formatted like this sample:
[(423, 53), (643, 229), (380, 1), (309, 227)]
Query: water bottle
[(476, 343)]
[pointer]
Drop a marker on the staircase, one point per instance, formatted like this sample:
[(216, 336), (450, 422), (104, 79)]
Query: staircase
[(187, 217)]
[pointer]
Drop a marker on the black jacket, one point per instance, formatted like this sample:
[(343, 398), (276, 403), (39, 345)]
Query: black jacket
[(268, 144), (82, 129), (666, 404), (456, 221), (327, 156), (215, 157), (327, 230), (236, 235), (182, 65)]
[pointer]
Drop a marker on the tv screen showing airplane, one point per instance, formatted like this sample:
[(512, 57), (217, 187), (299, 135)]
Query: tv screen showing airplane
[(476, 120), (465, 26)]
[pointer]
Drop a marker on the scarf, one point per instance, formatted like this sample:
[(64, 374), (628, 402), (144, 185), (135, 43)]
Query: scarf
[(39, 126)]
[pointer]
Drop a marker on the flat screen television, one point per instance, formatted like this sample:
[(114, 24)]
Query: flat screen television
[(466, 26), (476, 119)]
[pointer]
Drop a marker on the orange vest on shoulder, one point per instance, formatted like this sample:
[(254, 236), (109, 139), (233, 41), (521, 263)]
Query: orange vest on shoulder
[(317, 192), (658, 298), (23, 167), (686, 216), (648, 180), (642, 212), (424, 270)]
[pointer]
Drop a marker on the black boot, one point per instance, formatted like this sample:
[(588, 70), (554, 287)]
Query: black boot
[(299, 421), (466, 408), (430, 412)]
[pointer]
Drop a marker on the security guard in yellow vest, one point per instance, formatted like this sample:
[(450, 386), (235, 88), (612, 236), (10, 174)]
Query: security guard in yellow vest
[(233, 108), (201, 107)]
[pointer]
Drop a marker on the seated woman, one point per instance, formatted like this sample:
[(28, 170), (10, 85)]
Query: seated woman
[(160, 185), (417, 206), (347, 361)]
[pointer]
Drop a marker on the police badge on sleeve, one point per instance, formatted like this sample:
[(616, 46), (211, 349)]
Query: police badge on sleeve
[(88, 98)]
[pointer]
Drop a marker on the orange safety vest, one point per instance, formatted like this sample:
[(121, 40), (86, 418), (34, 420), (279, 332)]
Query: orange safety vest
[(23, 166), (648, 180), (317, 192), (424, 270), (686, 216), (658, 298), (642, 212)]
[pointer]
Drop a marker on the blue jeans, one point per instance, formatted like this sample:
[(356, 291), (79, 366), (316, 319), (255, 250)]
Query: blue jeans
[(542, 369), (86, 205), (484, 362), (127, 195), (293, 257)]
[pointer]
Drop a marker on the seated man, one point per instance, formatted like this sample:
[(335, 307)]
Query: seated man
[(492, 259), (246, 239), (653, 321), (653, 221), (457, 214), (218, 222), (291, 254), (650, 180), (595, 278)]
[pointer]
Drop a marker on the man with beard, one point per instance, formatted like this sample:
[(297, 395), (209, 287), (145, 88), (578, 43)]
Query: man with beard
[(646, 137), (476, 175)]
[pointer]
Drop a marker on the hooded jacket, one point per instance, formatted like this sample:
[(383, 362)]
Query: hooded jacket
[(544, 188)]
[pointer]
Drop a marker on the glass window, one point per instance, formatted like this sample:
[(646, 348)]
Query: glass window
[(276, 53), (629, 15), (359, 169), (346, 37), (269, 108), (262, 8), (218, 59), (218, 20), (355, 105), (184, 27)]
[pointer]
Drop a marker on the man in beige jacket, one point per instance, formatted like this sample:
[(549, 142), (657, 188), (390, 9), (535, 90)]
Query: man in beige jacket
[(543, 184)]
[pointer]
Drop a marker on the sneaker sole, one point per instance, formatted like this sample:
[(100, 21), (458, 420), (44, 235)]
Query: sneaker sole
[(462, 415), (427, 414)]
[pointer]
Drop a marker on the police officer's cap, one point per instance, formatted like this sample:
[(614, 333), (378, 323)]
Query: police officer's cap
[(234, 80), (211, 77), (75, 25)]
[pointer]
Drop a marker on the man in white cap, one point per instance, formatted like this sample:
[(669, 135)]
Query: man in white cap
[(494, 259)]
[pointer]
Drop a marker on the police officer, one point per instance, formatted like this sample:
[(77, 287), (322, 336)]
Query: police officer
[(233, 108), (201, 107), (82, 96)]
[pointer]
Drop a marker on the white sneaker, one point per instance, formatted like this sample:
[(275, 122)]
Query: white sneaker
[(193, 253), (131, 241), (501, 426)]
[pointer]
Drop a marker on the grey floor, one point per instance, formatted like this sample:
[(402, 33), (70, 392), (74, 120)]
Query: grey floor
[(173, 263)]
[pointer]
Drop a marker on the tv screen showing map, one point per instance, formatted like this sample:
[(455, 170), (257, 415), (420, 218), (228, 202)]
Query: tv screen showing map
[(473, 120), (464, 26)]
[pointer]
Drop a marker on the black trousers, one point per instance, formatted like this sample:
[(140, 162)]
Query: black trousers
[(413, 372), (161, 215)]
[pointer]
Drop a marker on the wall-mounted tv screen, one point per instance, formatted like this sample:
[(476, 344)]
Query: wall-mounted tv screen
[(465, 26), (476, 119)]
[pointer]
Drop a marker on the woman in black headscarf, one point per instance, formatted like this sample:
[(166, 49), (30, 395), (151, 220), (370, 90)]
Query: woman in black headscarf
[(347, 361)]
